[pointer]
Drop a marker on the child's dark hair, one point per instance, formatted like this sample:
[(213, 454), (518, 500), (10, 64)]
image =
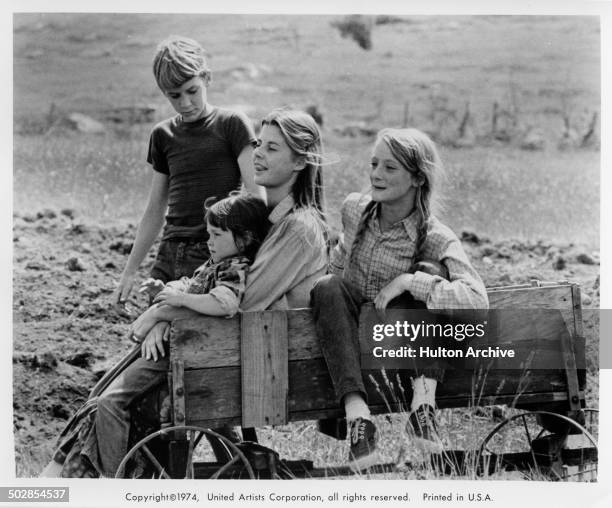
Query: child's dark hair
[(245, 215)]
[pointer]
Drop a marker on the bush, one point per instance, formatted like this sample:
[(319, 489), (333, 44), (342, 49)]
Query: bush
[(358, 28)]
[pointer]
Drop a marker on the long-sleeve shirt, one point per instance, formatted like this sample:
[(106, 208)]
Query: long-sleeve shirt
[(376, 257), (225, 281), (290, 260)]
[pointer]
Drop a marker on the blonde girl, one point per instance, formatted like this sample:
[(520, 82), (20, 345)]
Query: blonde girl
[(385, 234)]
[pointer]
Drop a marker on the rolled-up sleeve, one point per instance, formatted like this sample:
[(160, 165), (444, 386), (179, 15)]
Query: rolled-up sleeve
[(337, 257), (226, 298), (463, 290), (230, 285)]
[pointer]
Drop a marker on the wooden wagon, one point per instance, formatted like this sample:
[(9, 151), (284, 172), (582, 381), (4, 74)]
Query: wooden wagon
[(265, 368)]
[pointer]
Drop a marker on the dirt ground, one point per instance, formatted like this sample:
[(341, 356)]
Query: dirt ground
[(66, 334)]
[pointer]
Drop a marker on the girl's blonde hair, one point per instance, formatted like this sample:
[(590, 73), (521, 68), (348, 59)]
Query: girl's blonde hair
[(179, 59), (418, 154), (302, 135)]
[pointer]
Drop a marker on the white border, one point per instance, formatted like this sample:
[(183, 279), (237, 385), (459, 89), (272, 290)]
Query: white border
[(110, 493)]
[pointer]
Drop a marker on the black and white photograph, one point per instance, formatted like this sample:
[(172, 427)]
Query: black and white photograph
[(230, 233)]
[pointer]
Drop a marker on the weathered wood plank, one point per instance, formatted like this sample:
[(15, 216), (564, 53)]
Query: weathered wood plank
[(214, 397), (178, 393), (210, 350), (215, 342), (264, 367)]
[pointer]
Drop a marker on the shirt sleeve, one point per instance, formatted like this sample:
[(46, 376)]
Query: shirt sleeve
[(155, 154), (351, 215), (230, 285), (284, 260), (338, 257), (239, 131), (463, 290), (180, 285)]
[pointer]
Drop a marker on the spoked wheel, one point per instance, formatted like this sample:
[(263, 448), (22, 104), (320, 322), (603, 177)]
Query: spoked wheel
[(186, 446), (524, 442), (586, 469)]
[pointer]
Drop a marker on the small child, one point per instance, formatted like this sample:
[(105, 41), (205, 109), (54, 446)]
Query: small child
[(202, 151), (237, 225), (236, 228)]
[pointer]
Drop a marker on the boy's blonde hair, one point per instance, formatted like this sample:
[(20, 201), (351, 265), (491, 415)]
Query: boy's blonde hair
[(179, 59)]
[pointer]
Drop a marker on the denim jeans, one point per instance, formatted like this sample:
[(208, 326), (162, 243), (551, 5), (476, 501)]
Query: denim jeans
[(179, 258), (336, 305), (108, 443)]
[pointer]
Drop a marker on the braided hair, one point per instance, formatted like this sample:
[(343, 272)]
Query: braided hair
[(417, 153)]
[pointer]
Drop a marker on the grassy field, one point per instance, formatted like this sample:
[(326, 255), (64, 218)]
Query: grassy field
[(420, 70)]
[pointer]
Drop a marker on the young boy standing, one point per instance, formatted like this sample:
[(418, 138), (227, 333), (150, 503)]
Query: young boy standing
[(202, 152)]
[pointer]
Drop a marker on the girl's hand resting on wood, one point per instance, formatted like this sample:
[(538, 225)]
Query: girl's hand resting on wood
[(143, 325), (152, 347)]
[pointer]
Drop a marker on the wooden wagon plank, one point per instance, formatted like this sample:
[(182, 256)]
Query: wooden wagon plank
[(210, 349), (215, 342), (214, 394), (264, 368)]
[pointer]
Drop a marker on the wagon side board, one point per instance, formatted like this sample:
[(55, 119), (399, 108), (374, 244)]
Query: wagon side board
[(221, 387)]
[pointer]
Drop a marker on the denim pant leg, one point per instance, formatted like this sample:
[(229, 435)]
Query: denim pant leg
[(336, 304), (432, 368), (179, 258), (112, 421), (190, 257)]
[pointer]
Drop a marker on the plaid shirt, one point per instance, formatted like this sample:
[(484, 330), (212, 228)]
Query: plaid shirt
[(225, 281), (371, 258)]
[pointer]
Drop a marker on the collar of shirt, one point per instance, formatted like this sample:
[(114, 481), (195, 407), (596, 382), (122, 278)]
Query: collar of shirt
[(409, 223), (282, 209)]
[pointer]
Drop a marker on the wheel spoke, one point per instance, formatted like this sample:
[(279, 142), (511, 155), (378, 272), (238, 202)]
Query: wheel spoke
[(225, 467), (526, 429), (155, 462), (535, 462), (198, 439), (189, 463)]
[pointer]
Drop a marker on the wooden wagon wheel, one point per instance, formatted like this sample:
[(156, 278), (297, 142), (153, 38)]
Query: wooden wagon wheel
[(142, 454), (521, 442), (587, 470)]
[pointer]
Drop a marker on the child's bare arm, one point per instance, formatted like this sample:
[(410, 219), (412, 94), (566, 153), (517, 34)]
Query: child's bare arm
[(148, 229), (203, 304)]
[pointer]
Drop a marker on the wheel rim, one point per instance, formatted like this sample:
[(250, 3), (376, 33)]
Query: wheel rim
[(531, 430), (193, 435)]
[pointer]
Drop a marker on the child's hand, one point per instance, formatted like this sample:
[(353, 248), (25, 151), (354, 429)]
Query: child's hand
[(153, 344), (395, 288), (151, 287), (170, 296), (143, 324), (122, 293)]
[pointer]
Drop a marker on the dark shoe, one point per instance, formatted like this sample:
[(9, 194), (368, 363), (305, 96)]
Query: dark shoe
[(422, 424), (363, 453)]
